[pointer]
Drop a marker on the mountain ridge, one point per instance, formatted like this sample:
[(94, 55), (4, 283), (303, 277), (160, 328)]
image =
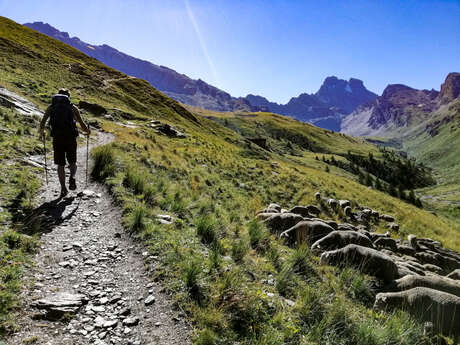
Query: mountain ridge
[(399, 107), (334, 99), (176, 85)]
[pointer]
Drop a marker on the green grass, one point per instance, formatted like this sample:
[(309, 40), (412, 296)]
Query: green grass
[(228, 273), (19, 184)]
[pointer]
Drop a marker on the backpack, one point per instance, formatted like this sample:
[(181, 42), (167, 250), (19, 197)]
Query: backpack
[(62, 120)]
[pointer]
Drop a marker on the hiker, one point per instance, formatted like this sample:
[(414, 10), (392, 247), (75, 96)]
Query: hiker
[(63, 116)]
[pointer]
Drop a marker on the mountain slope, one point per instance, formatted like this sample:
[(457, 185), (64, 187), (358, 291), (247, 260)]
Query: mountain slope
[(177, 86), (425, 124), (335, 99)]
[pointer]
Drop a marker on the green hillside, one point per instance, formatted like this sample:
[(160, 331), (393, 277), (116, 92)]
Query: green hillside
[(441, 151), (214, 258)]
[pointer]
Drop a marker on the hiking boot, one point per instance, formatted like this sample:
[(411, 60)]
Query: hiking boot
[(72, 183), (63, 194)]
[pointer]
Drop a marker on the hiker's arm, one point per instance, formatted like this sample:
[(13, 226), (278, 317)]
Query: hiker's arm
[(83, 125), (43, 121)]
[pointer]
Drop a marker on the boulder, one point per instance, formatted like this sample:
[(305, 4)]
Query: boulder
[(168, 130), (367, 260), (307, 232), (93, 108), (433, 282), (440, 308), (387, 218), (282, 221), (386, 242), (339, 239), (454, 274)]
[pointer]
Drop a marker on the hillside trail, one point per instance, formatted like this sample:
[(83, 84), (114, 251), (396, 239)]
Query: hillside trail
[(108, 82), (89, 267)]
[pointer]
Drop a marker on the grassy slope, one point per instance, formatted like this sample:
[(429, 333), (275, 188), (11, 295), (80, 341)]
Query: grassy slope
[(442, 153), (214, 182), (18, 184)]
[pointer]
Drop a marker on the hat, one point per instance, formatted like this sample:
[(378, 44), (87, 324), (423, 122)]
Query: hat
[(64, 92)]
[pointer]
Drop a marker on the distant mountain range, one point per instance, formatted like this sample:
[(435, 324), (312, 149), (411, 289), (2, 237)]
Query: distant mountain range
[(175, 85), (335, 99), (399, 108)]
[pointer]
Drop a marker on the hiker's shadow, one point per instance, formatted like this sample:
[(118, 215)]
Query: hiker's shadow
[(50, 214)]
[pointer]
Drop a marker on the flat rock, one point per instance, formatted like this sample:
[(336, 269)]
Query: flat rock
[(131, 321), (149, 300), (61, 302)]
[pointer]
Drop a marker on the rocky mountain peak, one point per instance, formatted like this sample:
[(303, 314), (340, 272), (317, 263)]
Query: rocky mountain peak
[(346, 95), (450, 89)]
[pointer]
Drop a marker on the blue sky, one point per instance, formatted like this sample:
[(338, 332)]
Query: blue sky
[(277, 49)]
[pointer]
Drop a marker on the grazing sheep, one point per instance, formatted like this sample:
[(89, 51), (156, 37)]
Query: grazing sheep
[(433, 282), (307, 232), (282, 221), (440, 308), (339, 239), (367, 260)]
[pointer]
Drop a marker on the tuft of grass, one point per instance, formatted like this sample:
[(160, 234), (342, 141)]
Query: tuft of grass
[(137, 219), (239, 249), (206, 229), (135, 180), (256, 233), (104, 158)]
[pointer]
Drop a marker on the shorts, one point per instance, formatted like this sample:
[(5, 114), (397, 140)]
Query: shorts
[(65, 147)]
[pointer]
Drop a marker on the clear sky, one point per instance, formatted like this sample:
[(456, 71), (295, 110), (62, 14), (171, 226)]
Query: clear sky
[(273, 48)]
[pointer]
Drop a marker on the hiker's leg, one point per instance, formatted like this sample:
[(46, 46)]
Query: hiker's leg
[(61, 175), (73, 170)]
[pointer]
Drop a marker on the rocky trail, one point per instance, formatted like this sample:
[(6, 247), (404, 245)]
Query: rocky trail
[(90, 282)]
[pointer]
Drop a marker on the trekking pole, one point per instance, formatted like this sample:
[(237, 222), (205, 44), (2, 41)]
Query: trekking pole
[(87, 152), (46, 163)]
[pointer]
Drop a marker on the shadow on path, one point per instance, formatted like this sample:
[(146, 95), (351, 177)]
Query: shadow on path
[(49, 215)]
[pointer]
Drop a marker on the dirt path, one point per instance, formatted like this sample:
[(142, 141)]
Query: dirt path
[(88, 258)]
